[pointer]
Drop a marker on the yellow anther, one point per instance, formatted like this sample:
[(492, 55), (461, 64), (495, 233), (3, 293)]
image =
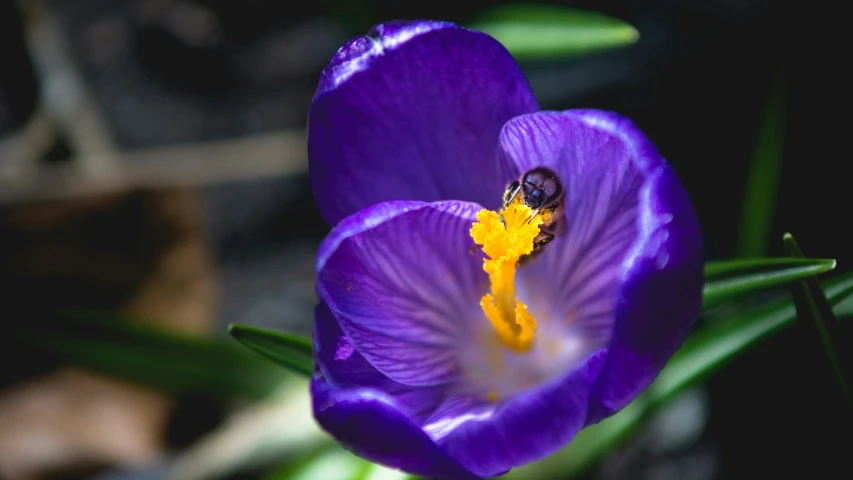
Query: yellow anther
[(505, 238)]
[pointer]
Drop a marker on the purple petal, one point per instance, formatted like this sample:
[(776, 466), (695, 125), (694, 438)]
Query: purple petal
[(412, 112), (578, 277), (489, 440), (343, 367), (404, 280), (368, 422), (660, 297), (628, 270)]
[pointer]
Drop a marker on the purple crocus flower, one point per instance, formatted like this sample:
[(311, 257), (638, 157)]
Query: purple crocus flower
[(443, 347)]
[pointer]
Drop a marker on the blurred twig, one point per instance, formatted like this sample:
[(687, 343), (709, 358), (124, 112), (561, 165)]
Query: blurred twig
[(97, 164)]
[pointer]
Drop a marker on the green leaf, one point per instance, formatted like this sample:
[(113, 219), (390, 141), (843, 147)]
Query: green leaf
[(709, 348), (813, 307), (704, 352), (170, 361), (287, 350), (762, 181), (337, 464), (533, 32), (332, 464), (727, 279), (844, 310)]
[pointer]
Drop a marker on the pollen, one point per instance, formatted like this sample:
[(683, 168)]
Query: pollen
[(505, 237)]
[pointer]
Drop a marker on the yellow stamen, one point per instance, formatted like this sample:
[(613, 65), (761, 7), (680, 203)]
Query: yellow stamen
[(505, 238)]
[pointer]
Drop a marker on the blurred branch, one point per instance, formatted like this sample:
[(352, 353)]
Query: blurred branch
[(98, 165), (66, 96), (265, 155)]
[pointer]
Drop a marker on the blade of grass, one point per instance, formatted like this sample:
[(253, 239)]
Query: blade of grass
[(814, 308), (537, 32), (762, 181), (287, 350), (732, 278)]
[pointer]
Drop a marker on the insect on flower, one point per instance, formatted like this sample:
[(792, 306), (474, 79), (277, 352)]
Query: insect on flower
[(540, 190), (585, 276)]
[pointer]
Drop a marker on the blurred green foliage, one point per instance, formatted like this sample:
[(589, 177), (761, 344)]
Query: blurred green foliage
[(289, 351), (540, 32), (762, 182), (174, 362)]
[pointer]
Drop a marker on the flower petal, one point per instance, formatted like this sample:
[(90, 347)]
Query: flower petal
[(412, 112), (343, 367), (368, 423), (628, 271), (489, 440), (575, 282), (660, 298), (403, 280)]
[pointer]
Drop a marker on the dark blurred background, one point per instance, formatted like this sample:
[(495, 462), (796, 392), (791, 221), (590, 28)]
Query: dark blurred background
[(152, 162)]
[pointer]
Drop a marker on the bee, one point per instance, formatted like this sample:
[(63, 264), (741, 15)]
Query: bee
[(541, 190)]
